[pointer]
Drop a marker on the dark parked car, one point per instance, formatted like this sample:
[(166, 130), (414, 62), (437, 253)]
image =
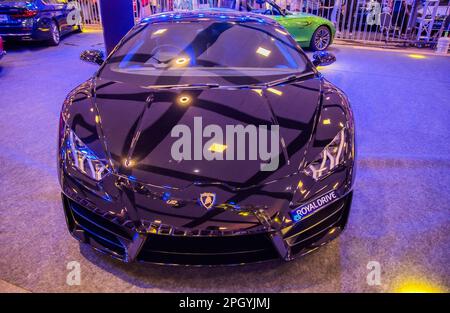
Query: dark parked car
[(131, 191), (43, 20)]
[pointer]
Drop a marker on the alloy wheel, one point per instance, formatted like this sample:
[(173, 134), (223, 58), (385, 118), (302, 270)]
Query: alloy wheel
[(55, 33), (322, 38)]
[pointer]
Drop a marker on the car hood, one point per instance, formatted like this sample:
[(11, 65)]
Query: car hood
[(137, 125)]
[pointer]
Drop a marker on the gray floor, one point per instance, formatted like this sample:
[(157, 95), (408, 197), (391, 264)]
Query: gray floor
[(400, 217)]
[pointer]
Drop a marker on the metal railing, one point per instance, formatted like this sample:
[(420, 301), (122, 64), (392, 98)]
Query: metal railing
[(365, 21), (90, 12), (381, 21)]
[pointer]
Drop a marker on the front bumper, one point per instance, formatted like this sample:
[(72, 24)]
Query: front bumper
[(163, 244)]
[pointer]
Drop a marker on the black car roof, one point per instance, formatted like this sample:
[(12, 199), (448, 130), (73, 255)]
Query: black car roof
[(212, 14)]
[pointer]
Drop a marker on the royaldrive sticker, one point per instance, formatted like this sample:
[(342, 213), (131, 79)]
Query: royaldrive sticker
[(313, 206)]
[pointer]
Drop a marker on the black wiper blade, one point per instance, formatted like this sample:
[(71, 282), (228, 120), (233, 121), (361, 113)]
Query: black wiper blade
[(287, 79), (273, 83), (184, 86), (284, 80), (203, 85)]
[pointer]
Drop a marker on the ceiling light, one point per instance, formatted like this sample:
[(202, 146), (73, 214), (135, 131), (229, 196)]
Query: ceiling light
[(160, 31), (263, 52), (280, 31), (275, 91), (217, 147), (181, 61), (184, 99)]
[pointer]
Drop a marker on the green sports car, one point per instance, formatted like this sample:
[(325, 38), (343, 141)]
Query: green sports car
[(309, 30)]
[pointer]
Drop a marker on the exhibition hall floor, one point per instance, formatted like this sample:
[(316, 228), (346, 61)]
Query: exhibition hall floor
[(401, 210)]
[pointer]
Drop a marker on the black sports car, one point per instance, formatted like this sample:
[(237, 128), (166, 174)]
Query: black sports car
[(147, 173)]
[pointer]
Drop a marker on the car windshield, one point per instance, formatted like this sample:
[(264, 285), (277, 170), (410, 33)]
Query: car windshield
[(205, 52)]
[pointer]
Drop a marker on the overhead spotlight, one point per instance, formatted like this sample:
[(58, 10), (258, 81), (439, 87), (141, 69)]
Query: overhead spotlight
[(263, 52), (417, 56), (184, 100), (275, 91), (280, 31), (181, 61), (128, 163), (217, 147), (160, 31)]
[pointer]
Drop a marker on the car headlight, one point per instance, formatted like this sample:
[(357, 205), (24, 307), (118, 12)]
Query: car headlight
[(329, 158), (84, 159)]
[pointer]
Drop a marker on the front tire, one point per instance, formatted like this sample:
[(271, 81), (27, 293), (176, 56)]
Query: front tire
[(55, 34), (321, 39)]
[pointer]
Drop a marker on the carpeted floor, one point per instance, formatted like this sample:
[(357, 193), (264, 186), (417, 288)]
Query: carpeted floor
[(400, 216)]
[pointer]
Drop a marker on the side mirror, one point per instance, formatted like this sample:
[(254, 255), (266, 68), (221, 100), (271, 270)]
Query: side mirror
[(93, 56), (323, 58)]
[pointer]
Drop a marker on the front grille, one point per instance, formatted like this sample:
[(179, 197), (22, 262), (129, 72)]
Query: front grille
[(103, 234), (206, 250), (107, 234)]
